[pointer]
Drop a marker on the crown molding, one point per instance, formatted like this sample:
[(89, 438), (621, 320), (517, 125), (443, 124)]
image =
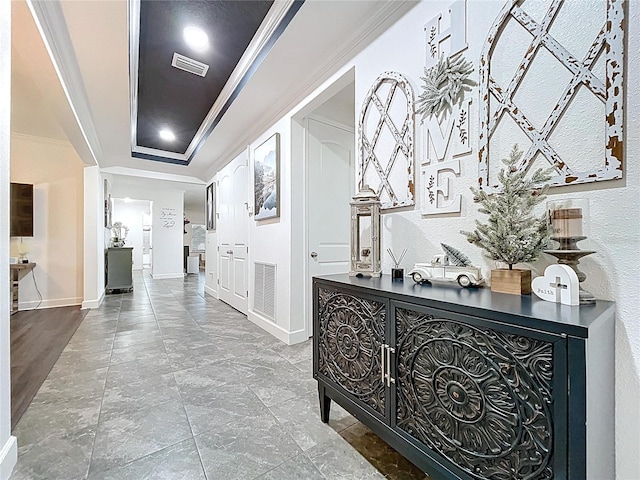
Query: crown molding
[(51, 24), (136, 172), (45, 140), (366, 33)]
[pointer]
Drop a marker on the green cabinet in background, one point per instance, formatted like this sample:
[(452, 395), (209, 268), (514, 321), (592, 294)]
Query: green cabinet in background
[(118, 266)]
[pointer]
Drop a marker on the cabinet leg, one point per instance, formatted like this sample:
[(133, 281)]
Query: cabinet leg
[(325, 404)]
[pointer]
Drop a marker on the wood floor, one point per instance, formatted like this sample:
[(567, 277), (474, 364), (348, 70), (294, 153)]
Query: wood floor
[(38, 337)]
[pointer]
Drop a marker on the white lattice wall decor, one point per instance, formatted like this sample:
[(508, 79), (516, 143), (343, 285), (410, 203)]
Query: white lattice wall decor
[(595, 73), (385, 134)]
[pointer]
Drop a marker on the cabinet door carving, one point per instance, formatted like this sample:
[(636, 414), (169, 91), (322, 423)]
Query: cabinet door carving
[(482, 398), (351, 334)]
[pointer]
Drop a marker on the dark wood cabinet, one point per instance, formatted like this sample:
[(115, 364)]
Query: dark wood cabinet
[(468, 383)]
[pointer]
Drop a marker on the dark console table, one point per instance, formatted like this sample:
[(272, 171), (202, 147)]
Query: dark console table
[(18, 271), (470, 384)]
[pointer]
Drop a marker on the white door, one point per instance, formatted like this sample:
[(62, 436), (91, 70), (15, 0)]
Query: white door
[(330, 186), (233, 234)]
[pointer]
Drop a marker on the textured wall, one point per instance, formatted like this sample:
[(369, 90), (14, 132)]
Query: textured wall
[(614, 205)]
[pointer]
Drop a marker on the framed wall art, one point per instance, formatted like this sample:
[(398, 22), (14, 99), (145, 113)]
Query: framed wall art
[(583, 81), (211, 206), (385, 135), (266, 179)]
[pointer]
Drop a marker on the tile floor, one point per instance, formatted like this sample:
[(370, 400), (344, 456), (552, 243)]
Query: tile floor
[(167, 383)]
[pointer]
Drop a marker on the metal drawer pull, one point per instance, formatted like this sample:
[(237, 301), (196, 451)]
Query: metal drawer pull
[(382, 369), (390, 380)]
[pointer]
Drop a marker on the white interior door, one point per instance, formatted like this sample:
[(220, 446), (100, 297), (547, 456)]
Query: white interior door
[(233, 234), (330, 185)]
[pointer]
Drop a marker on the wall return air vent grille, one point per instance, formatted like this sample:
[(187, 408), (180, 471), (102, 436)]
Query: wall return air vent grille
[(264, 299), (189, 65)]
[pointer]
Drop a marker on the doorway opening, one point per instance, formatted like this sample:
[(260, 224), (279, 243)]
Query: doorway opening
[(327, 129)]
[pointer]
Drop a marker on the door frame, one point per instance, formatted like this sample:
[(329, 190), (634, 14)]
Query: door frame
[(242, 160), (308, 297)]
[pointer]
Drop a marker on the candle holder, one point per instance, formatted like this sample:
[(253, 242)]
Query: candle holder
[(566, 227), (365, 234)]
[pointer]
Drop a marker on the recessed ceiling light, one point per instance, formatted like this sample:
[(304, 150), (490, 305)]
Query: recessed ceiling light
[(196, 38), (166, 134)]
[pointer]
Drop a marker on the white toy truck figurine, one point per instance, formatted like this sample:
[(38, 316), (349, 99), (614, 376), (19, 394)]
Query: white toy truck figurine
[(441, 270)]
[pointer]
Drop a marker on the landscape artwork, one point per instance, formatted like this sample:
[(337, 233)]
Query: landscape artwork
[(266, 179)]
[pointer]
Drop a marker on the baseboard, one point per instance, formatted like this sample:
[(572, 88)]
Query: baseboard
[(210, 291), (166, 276), (93, 303), (8, 457), (290, 338), (56, 302)]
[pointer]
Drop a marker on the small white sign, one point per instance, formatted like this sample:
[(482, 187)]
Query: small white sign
[(558, 284)]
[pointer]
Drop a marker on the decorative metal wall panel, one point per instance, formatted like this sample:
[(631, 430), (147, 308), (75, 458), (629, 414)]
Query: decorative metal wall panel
[(386, 131), (497, 101), (351, 333), (481, 398)]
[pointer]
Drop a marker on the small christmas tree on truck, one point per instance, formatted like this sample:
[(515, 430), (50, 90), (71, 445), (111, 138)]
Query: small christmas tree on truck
[(512, 234)]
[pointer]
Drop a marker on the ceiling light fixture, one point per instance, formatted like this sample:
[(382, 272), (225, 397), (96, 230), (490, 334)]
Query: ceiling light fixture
[(167, 135), (196, 38)]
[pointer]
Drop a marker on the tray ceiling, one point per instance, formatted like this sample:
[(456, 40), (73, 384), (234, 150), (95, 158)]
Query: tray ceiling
[(174, 110)]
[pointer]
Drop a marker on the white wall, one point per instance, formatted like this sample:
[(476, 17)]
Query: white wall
[(270, 240), (94, 238), (57, 173), (166, 212), (130, 213), (614, 207), (614, 211), (166, 259), (8, 445)]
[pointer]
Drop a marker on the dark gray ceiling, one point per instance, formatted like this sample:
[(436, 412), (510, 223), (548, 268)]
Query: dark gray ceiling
[(171, 98)]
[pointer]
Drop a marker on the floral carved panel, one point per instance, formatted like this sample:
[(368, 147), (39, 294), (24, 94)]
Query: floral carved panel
[(584, 85), (351, 336), (481, 398)]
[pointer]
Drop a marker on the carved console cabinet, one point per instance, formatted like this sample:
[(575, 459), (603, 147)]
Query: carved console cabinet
[(467, 383)]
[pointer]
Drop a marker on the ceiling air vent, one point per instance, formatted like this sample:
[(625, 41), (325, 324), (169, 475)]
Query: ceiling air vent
[(189, 65)]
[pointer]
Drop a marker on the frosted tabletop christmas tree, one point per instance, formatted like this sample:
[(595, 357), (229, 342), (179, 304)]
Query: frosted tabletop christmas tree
[(512, 234)]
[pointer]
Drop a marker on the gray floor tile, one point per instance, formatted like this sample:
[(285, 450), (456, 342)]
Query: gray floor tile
[(298, 468), (137, 370), (137, 352), (167, 383), (245, 450), (139, 433), (64, 457), (125, 398), (71, 363), (301, 418), (216, 408), (82, 384), (177, 462), (43, 421)]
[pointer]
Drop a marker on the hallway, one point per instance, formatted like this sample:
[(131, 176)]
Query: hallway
[(166, 383)]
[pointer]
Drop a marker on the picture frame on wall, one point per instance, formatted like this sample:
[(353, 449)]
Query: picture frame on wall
[(266, 179), (211, 206), (108, 209)]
